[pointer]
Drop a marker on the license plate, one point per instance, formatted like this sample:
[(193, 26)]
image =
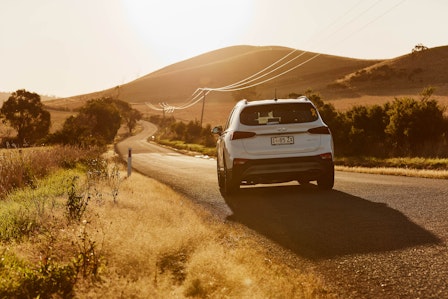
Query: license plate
[(281, 140)]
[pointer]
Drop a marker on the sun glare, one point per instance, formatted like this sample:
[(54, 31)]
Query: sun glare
[(180, 28)]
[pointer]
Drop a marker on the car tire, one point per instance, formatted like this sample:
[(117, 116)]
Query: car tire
[(227, 184), (220, 178), (326, 180)]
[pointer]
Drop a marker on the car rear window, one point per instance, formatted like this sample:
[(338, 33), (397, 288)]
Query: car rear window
[(271, 114)]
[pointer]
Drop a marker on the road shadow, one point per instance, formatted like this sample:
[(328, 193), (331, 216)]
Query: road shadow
[(319, 224)]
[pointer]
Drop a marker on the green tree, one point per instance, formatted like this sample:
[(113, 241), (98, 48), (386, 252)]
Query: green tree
[(367, 129), (179, 129), (24, 111), (415, 124), (192, 131), (208, 139), (419, 48), (97, 123), (129, 115)]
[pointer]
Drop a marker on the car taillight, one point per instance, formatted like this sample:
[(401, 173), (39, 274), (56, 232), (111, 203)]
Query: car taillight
[(241, 135), (319, 130), (326, 156)]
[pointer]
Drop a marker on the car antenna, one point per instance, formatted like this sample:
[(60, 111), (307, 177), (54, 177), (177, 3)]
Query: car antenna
[(275, 94)]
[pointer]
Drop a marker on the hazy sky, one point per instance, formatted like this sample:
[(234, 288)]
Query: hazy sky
[(67, 47)]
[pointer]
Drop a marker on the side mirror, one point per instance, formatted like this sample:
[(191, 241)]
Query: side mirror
[(217, 130)]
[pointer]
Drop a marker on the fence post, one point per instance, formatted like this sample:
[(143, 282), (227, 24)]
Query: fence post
[(129, 161)]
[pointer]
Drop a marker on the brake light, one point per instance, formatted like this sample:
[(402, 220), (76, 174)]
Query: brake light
[(326, 156), (319, 130), (241, 135)]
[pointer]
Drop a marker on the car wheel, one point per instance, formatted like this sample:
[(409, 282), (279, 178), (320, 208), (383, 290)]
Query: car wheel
[(227, 184), (326, 180), (220, 178)]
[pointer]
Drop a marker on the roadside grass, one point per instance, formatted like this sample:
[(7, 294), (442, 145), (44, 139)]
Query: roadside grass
[(188, 148), (137, 238), (434, 168), (399, 162), (159, 245), (23, 167), (421, 173)]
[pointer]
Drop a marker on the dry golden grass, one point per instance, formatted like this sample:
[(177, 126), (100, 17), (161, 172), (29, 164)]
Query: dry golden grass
[(159, 245), (149, 242), (421, 173)]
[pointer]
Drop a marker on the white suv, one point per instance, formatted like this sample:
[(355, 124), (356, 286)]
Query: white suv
[(273, 141)]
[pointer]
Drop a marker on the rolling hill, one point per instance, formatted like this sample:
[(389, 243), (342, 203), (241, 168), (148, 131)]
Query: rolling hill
[(341, 80)]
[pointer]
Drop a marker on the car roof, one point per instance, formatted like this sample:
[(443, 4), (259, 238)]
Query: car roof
[(302, 99)]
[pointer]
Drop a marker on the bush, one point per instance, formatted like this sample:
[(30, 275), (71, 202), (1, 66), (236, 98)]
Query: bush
[(413, 125), (23, 167), (190, 133), (405, 127), (22, 280), (96, 124)]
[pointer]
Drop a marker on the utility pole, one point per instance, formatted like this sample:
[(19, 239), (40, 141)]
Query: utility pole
[(203, 104)]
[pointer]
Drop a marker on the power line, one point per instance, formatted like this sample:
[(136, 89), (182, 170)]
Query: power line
[(269, 79), (243, 84)]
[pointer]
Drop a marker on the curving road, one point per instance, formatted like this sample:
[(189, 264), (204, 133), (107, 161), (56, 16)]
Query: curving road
[(373, 236)]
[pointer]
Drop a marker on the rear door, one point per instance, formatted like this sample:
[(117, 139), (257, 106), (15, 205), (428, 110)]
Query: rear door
[(281, 128)]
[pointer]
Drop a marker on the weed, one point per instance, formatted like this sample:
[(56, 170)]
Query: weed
[(88, 261), (76, 203), (16, 222), (22, 280), (114, 181)]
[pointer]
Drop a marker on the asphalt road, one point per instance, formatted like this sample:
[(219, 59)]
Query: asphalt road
[(372, 236)]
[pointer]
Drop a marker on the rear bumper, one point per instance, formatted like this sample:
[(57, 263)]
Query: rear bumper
[(281, 169)]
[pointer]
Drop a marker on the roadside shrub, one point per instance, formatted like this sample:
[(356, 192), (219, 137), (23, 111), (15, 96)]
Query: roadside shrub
[(96, 124), (404, 127), (23, 167), (413, 125), (46, 280), (190, 133), (15, 222), (65, 249), (28, 210), (76, 203), (193, 132)]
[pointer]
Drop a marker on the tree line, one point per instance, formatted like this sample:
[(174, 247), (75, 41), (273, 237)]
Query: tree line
[(95, 124), (190, 132), (402, 127)]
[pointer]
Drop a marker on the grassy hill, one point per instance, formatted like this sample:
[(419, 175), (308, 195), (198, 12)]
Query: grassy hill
[(341, 80), (408, 73)]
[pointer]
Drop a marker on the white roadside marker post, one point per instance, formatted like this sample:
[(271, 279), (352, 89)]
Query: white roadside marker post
[(129, 161)]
